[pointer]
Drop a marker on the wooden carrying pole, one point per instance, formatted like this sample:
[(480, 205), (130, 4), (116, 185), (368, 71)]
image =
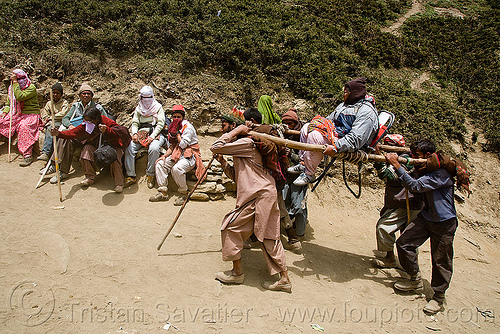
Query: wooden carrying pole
[(185, 202), (56, 157), (321, 148), (387, 148)]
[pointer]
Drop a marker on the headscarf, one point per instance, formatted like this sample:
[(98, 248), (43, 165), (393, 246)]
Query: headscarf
[(291, 115), (357, 90), (24, 82), (22, 78), (265, 107), (148, 106)]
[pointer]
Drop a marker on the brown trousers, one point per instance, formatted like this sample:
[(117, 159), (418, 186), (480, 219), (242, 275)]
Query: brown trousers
[(241, 229), (89, 167), (441, 235)]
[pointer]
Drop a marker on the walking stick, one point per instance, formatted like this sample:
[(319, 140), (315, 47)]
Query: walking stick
[(185, 202), (55, 147)]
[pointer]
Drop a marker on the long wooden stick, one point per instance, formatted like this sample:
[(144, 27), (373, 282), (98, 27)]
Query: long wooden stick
[(387, 148), (185, 202), (55, 147), (321, 148)]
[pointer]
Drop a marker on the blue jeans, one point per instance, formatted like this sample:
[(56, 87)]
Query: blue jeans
[(153, 155), (296, 203), (48, 147)]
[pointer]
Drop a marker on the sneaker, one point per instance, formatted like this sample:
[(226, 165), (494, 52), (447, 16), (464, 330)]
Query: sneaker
[(26, 162), (158, 198), (409, 285), (129, 180), (297, 169), (118, 189), (277, 286), (43, 157), (180, 200), (433, 307), (303, 179), (86, 182), (228, 277), (62, 176), (150, 181), (50, 170)]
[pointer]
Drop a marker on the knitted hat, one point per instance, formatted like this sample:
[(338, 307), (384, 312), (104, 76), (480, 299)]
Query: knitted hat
[(180, 109), (58, 87), (290, 115), (235, 115), (85, 87), (357, 90)]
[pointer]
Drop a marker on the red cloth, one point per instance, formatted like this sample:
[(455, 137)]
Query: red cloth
[(111, 135), (173, 129)]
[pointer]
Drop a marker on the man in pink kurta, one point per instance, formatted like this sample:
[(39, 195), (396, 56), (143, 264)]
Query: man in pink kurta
[(256, 209)]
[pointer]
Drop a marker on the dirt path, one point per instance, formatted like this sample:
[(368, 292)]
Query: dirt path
[(416, 8), (93, 267)]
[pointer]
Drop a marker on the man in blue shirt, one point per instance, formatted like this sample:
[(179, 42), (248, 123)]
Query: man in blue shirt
[(437, 221)]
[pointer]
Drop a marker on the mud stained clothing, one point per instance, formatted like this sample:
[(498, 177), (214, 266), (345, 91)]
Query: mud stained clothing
[(256, 204)]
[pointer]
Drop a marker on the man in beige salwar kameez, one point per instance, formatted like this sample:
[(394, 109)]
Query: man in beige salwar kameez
[(256, 210)]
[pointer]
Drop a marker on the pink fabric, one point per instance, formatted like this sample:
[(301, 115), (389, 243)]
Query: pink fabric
[(22, 79), (240, 229), (311, 159), (27, 128)]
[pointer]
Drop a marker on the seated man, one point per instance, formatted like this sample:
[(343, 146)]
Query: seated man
[(95, 129), (355, 123), (147, 123), (73, 118), (61, 107), (183, 154)]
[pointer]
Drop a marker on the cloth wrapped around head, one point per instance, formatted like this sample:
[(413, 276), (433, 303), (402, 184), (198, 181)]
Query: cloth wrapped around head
[(22, 78), (265, 107), (173, 129), (148, 106), (357, 89)]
